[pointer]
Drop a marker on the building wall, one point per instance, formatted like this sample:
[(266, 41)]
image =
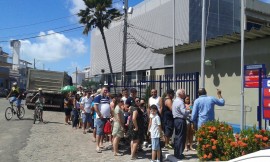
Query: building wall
[(152, 26), (226, 75)]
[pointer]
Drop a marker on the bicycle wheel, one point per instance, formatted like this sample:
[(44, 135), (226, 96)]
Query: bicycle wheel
[(20, 114), (35, 115), (8, 113)]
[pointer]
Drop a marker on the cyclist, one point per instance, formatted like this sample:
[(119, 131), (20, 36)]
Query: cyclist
[(15, 95), (40, 101)]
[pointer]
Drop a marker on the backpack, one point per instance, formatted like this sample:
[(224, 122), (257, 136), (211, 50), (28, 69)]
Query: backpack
[(108, 127)]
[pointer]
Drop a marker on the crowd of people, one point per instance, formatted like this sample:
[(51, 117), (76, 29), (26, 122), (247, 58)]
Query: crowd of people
[(127, 118)]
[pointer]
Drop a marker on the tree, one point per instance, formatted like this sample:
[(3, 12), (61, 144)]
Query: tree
[(100, 14)]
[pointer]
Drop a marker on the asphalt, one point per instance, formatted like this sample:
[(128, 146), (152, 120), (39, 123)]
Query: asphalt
[(13, 133)]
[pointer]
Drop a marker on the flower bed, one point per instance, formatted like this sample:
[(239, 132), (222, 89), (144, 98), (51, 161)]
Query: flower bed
[(217, 142)]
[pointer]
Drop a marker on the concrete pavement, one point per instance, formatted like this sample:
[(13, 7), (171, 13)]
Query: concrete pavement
[(58, 142)]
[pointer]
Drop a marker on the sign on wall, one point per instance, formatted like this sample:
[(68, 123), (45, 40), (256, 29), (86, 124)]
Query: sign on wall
[(252, 75), (266, 98)]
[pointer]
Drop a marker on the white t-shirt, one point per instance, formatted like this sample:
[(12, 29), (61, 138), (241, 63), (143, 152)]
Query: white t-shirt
[(154, 130), (86, 102), (125, 112), (154, 101)]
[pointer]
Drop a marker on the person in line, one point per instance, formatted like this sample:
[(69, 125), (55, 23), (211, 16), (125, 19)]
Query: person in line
[(76, 112), (156, 133), (68, 104), (145, 123), (86, 111), (203, 108), (40, 101), (15, 95), (118, 125), (167, 117), (103, 110), (190, 128), (94, 116), (135, 130), (180, 114), (155, 100)]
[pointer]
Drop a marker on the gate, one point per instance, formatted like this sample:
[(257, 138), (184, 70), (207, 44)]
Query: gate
[(187, 81)]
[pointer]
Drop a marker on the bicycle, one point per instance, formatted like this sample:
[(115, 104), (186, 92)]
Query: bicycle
[(37, 113), (10, 111)]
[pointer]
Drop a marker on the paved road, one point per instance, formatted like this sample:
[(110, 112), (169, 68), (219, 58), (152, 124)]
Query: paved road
[(13, 133)]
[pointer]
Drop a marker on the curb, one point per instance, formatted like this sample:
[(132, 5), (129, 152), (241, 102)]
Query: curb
[(170, 157)]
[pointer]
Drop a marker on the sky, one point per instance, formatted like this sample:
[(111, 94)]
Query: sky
[(64, 48)]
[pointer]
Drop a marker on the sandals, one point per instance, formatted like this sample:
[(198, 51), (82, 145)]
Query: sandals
[(98, 151), (133, 158), (118, 154)]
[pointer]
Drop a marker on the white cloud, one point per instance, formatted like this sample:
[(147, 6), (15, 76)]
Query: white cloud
[(53, 48), (76, 6)]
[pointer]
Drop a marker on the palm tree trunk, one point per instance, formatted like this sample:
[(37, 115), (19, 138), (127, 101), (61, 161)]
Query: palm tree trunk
[(108, 58)]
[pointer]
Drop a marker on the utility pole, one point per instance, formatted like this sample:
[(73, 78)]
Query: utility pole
[(34, 63), (124, 57), (174, 79), (203, 46), (76, 73)]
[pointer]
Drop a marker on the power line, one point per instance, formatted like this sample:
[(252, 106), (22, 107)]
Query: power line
[(142, 29), (39, 31), (22, 26), (63, 31)]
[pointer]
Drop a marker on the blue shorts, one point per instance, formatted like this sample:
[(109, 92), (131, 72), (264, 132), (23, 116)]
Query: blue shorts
[(155, 144), (18, 101), (100, 126), (86, 117)]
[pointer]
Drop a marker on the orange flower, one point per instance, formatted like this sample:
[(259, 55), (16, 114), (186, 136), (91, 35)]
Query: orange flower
[(217, 159), (210, 155), (212, 140), (204, 156), (211, 131), (258, 136), (265, 139), (215, 142), (214, 147)]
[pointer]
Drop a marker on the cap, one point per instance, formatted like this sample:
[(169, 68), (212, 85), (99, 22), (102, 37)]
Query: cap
[(15, 83), (40, 89)]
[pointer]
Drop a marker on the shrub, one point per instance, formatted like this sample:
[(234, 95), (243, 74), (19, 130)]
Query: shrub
[(216, 141)]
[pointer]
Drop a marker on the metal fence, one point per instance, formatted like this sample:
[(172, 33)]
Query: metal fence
[(187, 81)]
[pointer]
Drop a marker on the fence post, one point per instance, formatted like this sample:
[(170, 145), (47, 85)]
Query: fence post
[(197, 84), (160, 88), (140, 88)]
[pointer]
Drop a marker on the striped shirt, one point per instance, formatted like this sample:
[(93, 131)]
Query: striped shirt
[(103, 103)]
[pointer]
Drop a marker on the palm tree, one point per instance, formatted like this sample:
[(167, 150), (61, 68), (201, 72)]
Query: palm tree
[(99, 13)]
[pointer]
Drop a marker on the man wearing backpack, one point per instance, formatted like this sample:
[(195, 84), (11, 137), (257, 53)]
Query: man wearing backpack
[(103, 113)]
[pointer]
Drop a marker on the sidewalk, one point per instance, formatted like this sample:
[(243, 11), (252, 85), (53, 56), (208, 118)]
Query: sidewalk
[(58, 142), (191, 156)]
